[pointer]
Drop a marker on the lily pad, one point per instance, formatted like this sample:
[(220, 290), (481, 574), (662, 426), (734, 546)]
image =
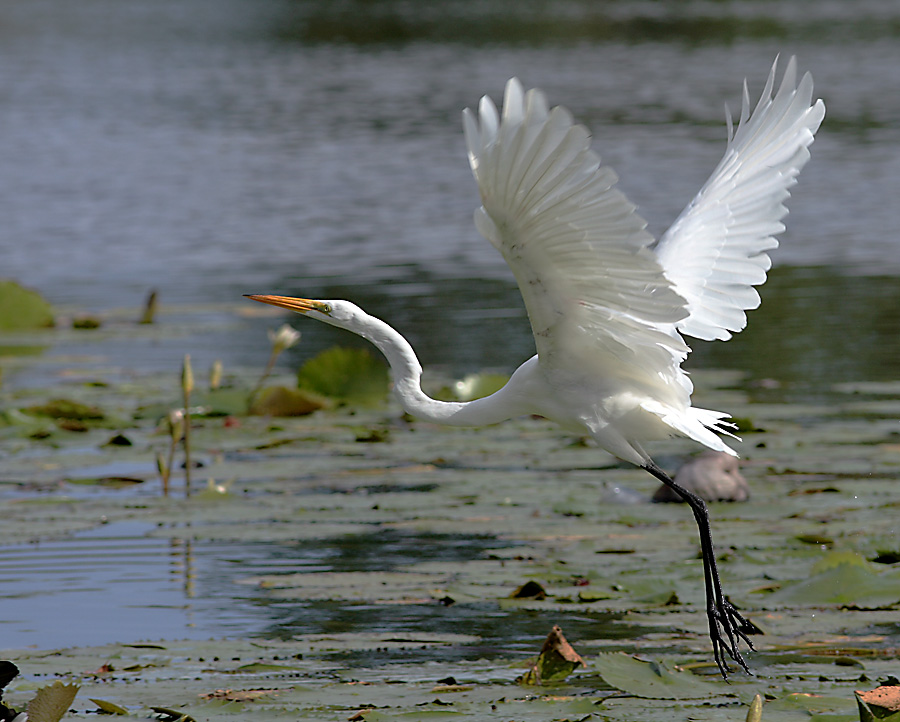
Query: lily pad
[(350, 375), (52, 702), (847, 579), (653, 680), (66, 409), (881, 703), (557, 660), (284, 401), (23, 309)]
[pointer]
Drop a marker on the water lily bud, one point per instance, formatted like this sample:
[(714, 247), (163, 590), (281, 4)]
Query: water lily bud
[(175, 421), (161, 466), (215, 375), (187, 375)]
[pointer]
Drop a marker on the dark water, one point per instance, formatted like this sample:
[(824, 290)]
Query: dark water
[(210, 148), (124, 586)]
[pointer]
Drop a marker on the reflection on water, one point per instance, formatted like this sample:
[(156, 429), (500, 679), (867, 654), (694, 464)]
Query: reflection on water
[(121, 585)]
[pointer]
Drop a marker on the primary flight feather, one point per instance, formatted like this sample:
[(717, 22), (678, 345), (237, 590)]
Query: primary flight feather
[(608, 305)]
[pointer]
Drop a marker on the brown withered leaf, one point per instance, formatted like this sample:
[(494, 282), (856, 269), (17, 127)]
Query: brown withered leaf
[(881, 704), (557, 660), (52, 702)]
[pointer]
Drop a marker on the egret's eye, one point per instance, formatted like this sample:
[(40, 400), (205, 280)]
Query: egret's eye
[(326, 308)]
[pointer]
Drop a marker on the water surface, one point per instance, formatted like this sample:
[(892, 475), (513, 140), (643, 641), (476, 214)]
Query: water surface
[(210, 148)]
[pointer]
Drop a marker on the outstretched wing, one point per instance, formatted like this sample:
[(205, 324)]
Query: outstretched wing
[(717, 249), (575, 244)]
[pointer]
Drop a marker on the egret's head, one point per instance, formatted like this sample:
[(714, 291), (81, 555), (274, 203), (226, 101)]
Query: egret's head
[(338, 313)]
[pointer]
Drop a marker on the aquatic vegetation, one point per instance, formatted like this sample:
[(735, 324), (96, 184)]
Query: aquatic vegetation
[(350, 375), (23, 309), (187, 387), (284, 338), (417, 576)]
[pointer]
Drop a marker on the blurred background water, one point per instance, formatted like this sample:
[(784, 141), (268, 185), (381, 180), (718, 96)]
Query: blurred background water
[(210, 148)]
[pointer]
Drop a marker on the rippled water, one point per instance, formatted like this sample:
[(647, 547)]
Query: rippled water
[(209, 148), (120, 584)]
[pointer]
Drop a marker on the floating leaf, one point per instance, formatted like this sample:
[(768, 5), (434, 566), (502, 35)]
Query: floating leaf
[(881, 704), (845, 578), (172, 715), (238, 695), (21, 350), (283, 401), (651, 680), (86, 323), (351, 375), (66, 409), (556, 661), (52, 702), (836, 559), (113, 482), (109, 707), (22, 309)]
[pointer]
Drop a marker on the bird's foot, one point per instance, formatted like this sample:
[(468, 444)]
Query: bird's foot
[(727, 628)]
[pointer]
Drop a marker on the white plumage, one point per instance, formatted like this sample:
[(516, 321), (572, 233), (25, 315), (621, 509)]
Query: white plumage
[(608, 305), (603, 300)]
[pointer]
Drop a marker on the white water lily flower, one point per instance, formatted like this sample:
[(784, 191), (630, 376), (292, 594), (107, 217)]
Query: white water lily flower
[(283, 338)]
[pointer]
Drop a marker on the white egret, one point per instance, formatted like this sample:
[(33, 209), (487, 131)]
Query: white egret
[(608, 305)]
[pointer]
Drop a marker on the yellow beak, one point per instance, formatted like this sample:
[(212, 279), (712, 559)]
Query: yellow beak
[(300, 305)]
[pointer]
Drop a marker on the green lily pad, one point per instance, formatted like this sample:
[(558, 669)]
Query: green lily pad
[(284, 401), (653, 680), (350, 375), (66, 409), (22, 309), (847, 579)]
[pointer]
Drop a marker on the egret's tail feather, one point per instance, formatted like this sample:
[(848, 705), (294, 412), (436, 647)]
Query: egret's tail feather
[(701, 425)]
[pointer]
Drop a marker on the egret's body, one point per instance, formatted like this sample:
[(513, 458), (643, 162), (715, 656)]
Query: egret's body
[(608, 305)]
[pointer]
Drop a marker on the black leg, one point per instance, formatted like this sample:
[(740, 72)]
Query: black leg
[(726, 625)]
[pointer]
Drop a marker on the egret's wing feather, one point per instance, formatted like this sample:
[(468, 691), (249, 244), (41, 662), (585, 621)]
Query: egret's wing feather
[(575, 244), (717, 249)]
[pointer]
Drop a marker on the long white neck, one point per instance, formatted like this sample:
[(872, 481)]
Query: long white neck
[(407, 372)]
